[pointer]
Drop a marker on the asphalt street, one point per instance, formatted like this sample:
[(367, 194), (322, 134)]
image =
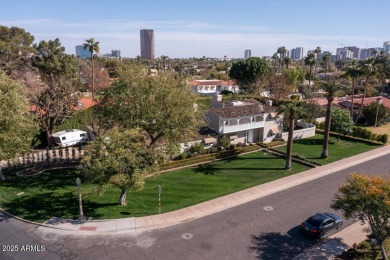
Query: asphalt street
[(266, 228)]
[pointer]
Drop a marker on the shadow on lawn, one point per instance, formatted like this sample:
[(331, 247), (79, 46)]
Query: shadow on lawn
[(50, 180), (207, 169), (44, 206)]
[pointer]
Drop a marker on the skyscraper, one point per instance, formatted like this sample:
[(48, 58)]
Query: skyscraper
[(247, 54), (147, 43), (297, 53), (81, 52)]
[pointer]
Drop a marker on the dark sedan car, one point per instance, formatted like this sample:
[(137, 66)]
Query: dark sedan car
[(320, 224)]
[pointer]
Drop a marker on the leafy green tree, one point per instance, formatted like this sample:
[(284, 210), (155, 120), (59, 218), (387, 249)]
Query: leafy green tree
[(118, 158), (292, 110), (368, 199), (310, 60), (58, 73), (92, 46), (331, 88), (341, 122), (249, 73), (162, 106), (295, 76), (370, 113), (16, 124), (287, 62), (15, 48)]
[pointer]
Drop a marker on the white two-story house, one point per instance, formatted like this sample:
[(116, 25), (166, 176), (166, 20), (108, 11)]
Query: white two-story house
[(213, 86), (245, 121)]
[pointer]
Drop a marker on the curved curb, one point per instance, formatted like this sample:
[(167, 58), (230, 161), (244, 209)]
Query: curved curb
[(31, 222)]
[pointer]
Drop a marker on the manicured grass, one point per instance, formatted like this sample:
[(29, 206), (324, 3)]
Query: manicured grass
[(54, 192), (311, 148)]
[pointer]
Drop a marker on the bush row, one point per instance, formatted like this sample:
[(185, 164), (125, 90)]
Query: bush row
[(272, 144), (351, 138), (362, 133)]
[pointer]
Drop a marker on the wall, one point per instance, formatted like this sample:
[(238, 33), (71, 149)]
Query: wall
[(299, 134)]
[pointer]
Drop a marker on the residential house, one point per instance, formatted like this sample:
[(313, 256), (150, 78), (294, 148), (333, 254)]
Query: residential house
[(244, 121), (213, 86)]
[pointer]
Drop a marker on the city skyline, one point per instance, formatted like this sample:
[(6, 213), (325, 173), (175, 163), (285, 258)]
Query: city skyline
[(179, 33)]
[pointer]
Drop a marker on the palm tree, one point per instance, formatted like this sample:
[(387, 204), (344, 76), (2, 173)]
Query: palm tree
[(310, 61), (275, 58), (287, 61), (368, 70), (353, 71), (291, 109), (331, 88), (317, 52), (282, 51), (325, 62), (92, 46)]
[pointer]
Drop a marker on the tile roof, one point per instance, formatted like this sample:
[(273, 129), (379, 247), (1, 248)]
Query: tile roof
[(248, 107), (210, 82)]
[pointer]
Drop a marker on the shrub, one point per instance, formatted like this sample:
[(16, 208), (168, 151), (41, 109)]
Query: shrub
[(183, 156), (197, 148), (224, 141), (232, 147)]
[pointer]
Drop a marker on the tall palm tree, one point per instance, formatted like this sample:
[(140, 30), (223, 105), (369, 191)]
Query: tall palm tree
[(282, 51), (330, 87), (287, 61), (325, 62), (353, 72), (317, 53), (368, 69), (291, 109), (310, 61), (92, 46), (275, 58)]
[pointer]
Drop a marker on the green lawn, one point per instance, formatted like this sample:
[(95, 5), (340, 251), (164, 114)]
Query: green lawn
[(311, 148), (54, 192)]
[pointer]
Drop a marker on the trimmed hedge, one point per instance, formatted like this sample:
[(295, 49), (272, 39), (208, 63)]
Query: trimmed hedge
[(271, 144), (351, 138)]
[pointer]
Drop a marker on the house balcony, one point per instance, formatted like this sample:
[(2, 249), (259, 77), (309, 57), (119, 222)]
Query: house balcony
[(226, 129)]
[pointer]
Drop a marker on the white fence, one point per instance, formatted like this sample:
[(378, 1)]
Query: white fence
[(308, 130)]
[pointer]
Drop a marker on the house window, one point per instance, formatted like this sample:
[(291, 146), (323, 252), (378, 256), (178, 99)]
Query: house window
[(253, 119), (82, 135), (63, 138), (226, 122)]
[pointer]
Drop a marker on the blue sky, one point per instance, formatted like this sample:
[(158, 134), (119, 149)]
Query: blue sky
[(197, 28)]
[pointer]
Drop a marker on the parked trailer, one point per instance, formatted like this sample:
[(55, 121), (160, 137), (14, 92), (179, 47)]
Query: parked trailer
[(70, 137)]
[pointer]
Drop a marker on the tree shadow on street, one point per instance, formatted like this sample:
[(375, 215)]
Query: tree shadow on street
[(280, 246)]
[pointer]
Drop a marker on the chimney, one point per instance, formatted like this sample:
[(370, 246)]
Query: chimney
[(216, 101)]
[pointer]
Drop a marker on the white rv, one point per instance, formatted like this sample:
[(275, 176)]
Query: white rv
[(70, 137)]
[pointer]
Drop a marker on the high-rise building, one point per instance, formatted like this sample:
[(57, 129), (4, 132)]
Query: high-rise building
[(147, 44), (297, 53), (82, 53), (356, 51), (116, 53), (386, 47), (248, 54)]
